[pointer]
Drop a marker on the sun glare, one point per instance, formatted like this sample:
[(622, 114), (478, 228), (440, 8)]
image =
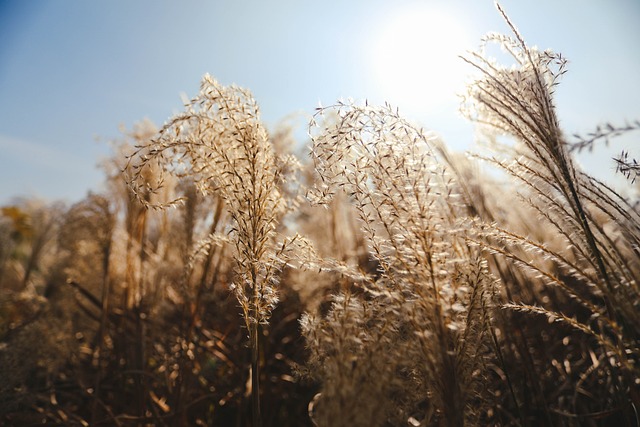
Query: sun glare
[(414, 58)]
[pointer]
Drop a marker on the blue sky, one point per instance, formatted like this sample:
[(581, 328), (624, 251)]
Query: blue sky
[(72, 72)]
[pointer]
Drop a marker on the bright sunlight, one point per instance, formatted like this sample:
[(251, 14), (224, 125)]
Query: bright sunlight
[(415, 62)]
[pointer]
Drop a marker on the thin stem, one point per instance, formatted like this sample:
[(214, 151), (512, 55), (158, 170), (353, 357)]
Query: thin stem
[(255, 374)]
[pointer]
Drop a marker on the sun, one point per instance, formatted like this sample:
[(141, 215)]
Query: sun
[(415, 62)]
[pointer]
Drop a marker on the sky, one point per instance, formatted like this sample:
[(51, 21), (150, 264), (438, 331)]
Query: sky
[(74, 73)]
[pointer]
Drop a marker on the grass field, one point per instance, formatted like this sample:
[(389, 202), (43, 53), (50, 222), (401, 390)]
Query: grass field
[(229, 277)]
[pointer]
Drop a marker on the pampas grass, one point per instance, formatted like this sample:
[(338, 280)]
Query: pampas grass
[(221, 144), (592, 233), (419, 320), (409, 286)]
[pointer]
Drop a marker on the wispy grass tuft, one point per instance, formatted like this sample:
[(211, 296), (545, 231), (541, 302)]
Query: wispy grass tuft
[(591, 234), (419, 321), (220, 143)]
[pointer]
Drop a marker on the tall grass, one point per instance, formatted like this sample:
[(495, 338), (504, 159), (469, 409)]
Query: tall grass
[(432, 293), (418, 320), (589, 247), (221, 144)]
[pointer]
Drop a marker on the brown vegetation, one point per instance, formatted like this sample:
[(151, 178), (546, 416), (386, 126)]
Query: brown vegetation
[(424, 292)]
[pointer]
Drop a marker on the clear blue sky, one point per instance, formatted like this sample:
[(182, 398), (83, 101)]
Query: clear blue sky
[(73, 71)]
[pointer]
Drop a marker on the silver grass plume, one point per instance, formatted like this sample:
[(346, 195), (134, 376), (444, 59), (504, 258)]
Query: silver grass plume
[(420, 322), (594, 259), (220, 143)]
